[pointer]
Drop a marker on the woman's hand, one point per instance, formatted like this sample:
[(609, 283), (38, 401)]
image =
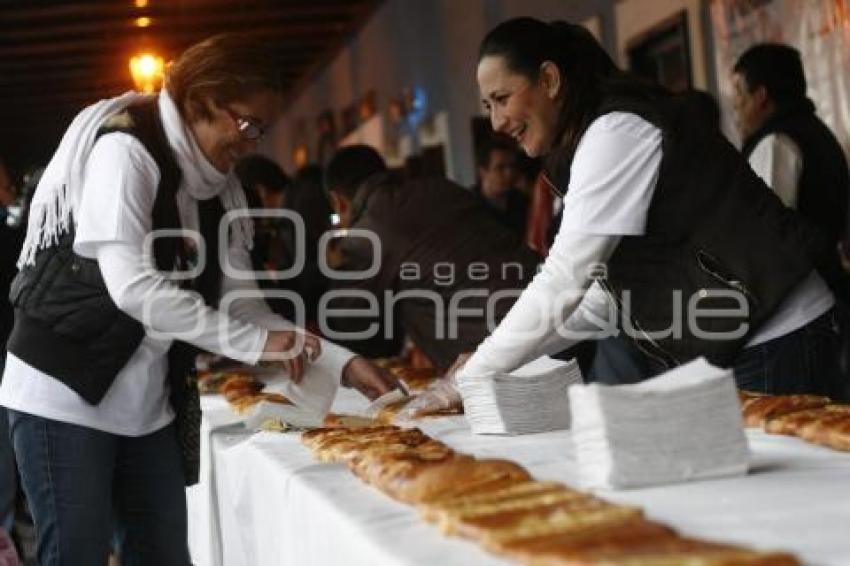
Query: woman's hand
[(442, 395), (291, 350), (367, 378)]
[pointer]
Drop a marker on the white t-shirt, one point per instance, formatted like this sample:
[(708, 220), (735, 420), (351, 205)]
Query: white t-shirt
[(113, 219), (779, 162), (612, 181)]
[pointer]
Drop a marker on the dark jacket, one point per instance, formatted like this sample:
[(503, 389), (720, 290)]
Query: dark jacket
[(514, 215), (10, 246), (437, 242), (713, 227), (824, 180)]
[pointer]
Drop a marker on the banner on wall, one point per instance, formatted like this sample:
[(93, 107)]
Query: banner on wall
[(820, 29)]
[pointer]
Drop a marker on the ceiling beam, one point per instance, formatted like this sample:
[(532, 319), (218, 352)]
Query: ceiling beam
[(254, 21), (110, 43), (57, 56), (26, 12)]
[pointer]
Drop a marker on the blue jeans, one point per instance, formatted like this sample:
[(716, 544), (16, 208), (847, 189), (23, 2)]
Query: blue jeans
[(617, 361), (803, 361), (85, 485)]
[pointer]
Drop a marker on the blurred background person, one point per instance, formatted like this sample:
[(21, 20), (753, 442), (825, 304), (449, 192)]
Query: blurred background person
[(11, 239), (437, 243), (7, 189), (309, 200), (497, 184), (528, 170), (789, 147), (266, 187), (797, 156), (276, 242)]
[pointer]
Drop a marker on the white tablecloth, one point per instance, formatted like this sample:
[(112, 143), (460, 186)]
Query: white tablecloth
[(267, 502)]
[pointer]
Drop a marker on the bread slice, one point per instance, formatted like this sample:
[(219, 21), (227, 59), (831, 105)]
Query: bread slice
[(760, 410), (792, 424), (562, 517), (432, 510), (457, 477), (660, 551), (563, 547), (830, 429)]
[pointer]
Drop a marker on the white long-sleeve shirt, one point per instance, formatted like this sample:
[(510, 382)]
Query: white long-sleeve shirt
[(113, 220), (779, 163), (612, 180)]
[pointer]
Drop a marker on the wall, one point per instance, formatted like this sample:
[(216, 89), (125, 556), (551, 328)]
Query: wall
[(433, 44), (634, 17), (427, 43)]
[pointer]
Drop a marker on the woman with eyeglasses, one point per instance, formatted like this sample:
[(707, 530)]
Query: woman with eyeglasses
[(135, 258), (667, 237)]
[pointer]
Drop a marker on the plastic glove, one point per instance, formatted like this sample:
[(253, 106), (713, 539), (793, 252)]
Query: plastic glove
[(441, 396)]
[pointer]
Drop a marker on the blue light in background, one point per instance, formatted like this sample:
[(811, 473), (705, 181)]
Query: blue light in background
[(418, 108)]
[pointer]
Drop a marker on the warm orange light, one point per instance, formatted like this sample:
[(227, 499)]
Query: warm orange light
[(147, 71), (141, 3), (143, 22)]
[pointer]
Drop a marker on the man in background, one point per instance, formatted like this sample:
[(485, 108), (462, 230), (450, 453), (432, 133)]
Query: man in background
[(442, 255), (797, 156), (788, 146), (498, 175)]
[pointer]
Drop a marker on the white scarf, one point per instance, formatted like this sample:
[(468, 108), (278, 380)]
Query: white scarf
[(60, 189)]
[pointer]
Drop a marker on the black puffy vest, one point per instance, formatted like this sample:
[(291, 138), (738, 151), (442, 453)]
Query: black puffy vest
[(713, 228), (824, 181)]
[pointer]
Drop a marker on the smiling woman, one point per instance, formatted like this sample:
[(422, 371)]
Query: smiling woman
[(104, 419), (538, 86), (228, 92), (659, 199)]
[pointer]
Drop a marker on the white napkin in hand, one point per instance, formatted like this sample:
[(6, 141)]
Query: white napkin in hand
[(315, 393), (682, 425), (376, 406)]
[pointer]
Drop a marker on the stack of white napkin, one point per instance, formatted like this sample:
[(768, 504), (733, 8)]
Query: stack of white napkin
[(530, 399), (682, 425)]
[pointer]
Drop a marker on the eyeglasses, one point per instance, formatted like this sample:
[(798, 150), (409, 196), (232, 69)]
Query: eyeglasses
[(249, 128)]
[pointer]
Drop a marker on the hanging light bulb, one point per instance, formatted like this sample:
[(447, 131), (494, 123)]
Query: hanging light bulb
[(147, 71)]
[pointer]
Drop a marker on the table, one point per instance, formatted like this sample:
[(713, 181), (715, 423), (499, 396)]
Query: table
[(267, 502)]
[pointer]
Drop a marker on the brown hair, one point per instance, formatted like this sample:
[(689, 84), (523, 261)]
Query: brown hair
[(225, 68)]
